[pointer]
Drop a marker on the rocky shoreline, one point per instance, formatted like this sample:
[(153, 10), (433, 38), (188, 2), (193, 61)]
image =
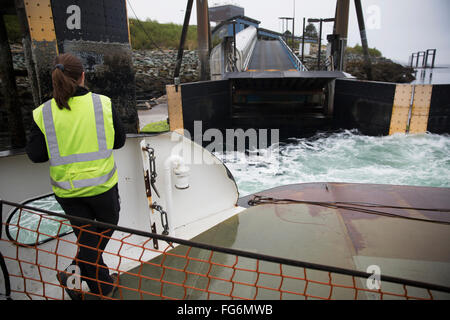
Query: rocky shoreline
[(383, 69), (154, 70)]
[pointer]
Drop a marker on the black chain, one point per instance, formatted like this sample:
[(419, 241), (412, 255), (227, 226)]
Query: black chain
[(152, 164), (164, 221), (153, 175)]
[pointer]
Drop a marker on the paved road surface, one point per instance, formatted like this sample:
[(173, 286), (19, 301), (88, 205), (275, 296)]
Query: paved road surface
[(269, 55), (159, 112)]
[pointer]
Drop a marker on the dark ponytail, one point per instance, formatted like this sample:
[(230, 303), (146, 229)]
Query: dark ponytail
[(66, 73)]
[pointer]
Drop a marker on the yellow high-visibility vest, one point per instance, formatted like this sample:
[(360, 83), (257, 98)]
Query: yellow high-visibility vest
[(79, 144)]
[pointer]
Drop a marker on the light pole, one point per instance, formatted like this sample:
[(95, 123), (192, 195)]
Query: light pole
[(362, 31), (320, 35), (303, 41), (293, 28)]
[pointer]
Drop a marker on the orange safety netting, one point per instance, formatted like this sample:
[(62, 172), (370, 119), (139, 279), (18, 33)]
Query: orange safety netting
[(180, 269)]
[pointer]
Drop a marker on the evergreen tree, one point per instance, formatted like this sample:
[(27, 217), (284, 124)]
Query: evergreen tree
[(311, 31)]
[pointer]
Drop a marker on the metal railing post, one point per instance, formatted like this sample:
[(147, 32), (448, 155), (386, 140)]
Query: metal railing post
[(303, 41)]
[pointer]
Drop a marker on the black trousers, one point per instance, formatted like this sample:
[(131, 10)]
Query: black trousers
[(104, 207)]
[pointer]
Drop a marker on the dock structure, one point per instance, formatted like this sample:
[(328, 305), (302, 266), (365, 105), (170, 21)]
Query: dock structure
[(259, 82), (268, 87), (97, 33)]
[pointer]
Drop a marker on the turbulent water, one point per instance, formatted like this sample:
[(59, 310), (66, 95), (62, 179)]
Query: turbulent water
[(347, 156)]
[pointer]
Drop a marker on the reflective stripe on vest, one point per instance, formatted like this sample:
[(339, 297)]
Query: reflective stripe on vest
[(55, 158), (66, 185)]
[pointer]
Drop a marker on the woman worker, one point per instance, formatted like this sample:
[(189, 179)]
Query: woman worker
[(77, 131)]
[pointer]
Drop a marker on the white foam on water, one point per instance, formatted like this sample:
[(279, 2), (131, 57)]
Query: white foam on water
[(347, 156)]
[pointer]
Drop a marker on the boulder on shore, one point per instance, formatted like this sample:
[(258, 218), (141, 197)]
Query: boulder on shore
[(385, 71)]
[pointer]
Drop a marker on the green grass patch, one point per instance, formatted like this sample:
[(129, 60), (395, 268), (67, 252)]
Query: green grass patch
[(155, 127), (164, 35), (357, 49)]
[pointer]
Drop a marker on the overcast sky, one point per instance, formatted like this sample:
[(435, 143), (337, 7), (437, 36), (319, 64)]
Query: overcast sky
[(397, 28)]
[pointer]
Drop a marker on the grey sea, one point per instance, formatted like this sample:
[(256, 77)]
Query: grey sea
[(346, 156)]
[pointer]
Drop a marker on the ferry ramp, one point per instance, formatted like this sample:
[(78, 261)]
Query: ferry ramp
[(268, 87), (276, 90), (270, 55)]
